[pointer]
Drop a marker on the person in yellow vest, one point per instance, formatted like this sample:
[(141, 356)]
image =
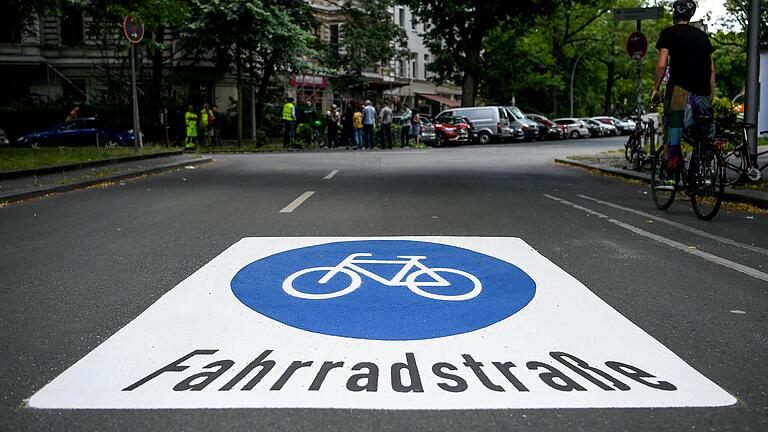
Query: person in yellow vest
[(289, 121), (190, 120), (206, 120)]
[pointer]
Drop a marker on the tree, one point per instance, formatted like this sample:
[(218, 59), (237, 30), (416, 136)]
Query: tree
[(457, 32), (368, 36), (737, 19), (256, 38)]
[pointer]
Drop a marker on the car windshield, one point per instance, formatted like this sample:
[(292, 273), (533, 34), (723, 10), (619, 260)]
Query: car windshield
[(515, 112)]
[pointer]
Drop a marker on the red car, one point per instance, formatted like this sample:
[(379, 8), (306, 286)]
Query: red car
[(453, 130)]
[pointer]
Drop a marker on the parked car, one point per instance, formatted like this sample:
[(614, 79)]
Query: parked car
[(453, 130), (530, 128), (607, 128), (77, 133), (596, 128), (622, 127), (491, 122), (547, 128), (575, 128)]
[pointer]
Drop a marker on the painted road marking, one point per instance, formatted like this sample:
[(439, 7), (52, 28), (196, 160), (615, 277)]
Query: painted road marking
[(380, 323), (330, 176), (680, 226), (749, 271), (297, 202)]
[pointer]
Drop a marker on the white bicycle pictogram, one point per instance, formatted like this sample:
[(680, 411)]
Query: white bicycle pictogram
[(350, 267)]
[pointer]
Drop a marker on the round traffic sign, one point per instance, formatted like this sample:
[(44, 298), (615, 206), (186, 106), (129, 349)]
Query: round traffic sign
[(133, 27), (637, 45), (384, 289)]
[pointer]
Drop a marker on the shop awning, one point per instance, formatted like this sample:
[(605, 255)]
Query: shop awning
[(441, 100)]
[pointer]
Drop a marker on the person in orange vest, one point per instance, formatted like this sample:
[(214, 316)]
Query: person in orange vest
[(190, 120)]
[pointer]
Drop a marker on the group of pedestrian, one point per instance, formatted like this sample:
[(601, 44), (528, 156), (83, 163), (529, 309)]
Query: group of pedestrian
[(206, 123), (355, 126)]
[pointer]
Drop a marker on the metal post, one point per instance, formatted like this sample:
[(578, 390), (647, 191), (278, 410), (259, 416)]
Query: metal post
[(573, 75), (639, 77), (136, 127), (750, 98)]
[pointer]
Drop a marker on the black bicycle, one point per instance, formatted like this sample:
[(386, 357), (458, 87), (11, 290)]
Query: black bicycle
[(641, 145), (703, 180), (741, 167)]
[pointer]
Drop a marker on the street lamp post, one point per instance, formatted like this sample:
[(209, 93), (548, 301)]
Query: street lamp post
[(752, 85)]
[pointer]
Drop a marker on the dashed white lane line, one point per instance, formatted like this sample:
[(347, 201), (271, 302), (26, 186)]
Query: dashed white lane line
[(330, 176), (749, 271), (680, 226), (297, 202)]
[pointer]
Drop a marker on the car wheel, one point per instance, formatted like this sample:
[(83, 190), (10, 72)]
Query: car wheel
[(574, 134), (111, 143), (484, 138), (441, 140)]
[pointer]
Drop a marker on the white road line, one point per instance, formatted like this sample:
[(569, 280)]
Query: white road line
[(297, 202), (677, 245), (680, 226), (330, 176)]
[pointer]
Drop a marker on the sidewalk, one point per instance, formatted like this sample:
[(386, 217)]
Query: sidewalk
[(19, 188), (616, 164)]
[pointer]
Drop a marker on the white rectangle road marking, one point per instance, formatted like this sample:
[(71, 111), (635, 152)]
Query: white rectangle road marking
[(297, 202), (330, 176), (749, 271), (253, 329)]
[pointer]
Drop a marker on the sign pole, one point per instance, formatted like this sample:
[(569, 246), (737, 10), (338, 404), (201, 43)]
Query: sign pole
[(133, 28), (639, 76), (136, 126), (752, 84)]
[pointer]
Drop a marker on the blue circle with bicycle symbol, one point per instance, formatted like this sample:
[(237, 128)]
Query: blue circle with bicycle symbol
[(384, 289)]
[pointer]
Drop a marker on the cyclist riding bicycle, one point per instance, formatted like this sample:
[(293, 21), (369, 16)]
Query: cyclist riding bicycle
[(688, 95)]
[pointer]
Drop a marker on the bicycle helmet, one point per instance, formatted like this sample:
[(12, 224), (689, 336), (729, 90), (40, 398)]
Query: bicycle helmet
[(683, 9)]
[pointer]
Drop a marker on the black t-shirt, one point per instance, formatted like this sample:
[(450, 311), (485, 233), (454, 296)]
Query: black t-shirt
[(689, 57)]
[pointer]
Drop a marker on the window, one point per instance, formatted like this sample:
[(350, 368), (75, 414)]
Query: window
[(413, 23), (72, 32), (401, 72), (334, 37), (73, 91), (415, 65), (426, 63), (401, 17), (10, 30)]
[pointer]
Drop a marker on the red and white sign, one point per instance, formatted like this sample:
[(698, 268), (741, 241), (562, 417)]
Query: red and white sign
[(309, 81), (133, 27), (637, 45)]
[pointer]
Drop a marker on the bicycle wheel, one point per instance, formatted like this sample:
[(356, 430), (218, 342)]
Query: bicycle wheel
[(707, 183), (663, 186), (314, 283), (460, 295), (629, 148)]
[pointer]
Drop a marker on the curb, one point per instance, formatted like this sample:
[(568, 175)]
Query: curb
[(759, 199), (5, 175), (45, 190)]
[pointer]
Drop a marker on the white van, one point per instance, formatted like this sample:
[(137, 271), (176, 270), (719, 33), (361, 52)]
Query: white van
[(491, 122)]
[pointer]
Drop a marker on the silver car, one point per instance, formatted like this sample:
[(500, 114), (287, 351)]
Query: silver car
[(575, 128)]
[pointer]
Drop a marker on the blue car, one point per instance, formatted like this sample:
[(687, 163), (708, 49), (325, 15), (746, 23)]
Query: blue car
[(77, 133)]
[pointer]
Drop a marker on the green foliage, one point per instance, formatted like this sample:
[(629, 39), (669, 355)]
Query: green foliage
[(303, 136), (367, 37), (13, 159), (726, 117), (737, 18), (730, 63)]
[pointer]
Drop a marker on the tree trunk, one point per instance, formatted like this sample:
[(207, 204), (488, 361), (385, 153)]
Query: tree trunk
[(608, 101), (239, 85), (157, 68), (471, 77), (261, 94)]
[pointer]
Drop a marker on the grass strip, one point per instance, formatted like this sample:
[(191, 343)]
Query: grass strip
[(13, 159)]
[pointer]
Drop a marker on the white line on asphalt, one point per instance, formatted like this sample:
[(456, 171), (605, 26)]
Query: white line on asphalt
[(680, 226), (677, 245), (330, 176), (297, 202)]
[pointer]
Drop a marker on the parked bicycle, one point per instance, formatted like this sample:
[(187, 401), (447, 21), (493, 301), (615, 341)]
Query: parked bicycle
[(351, 266), (641, 144), (703, 180), (742, 167)]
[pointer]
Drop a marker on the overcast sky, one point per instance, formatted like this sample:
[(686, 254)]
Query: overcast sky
[(716, 7)]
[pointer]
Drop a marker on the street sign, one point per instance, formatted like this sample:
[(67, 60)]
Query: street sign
[(380, 323), (637, 45), (133, 28), (632, 14)]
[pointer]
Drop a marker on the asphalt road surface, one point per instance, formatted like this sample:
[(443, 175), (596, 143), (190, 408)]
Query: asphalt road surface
[(77, 267)]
